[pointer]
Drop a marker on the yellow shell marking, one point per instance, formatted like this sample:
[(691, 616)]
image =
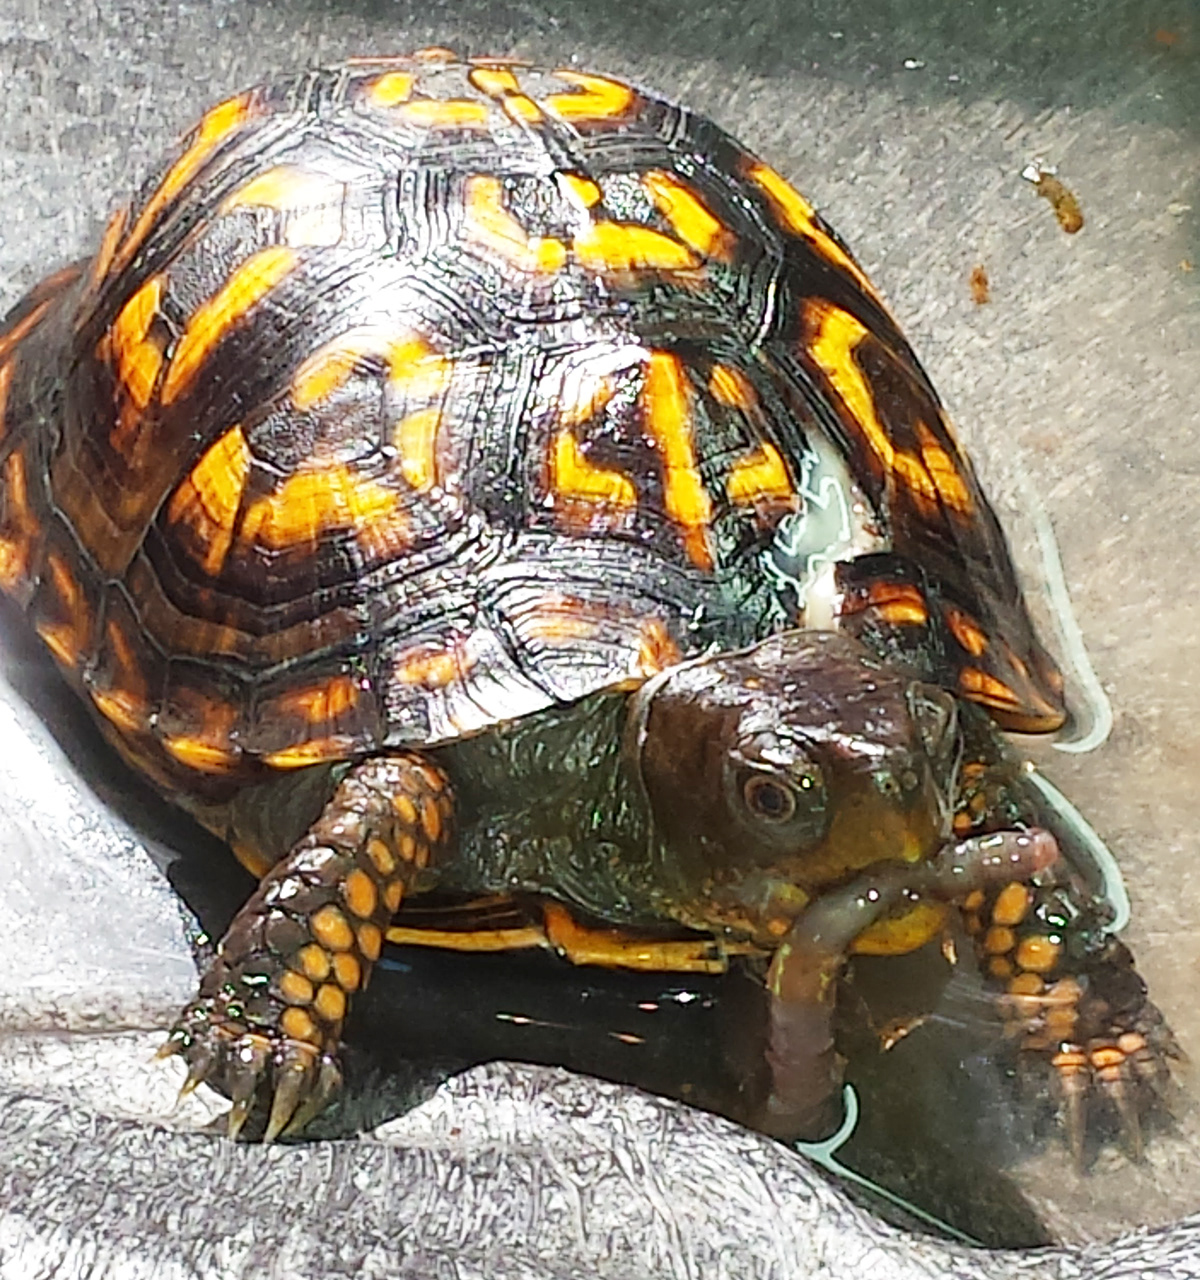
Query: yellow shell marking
[(731, 387), (499, 83), (329, 367), (312, 202), (947, 477), (391, 88), (601, 246), (251, 282), (220, 124), (799, 217), (416, 437), (496, 82), (657, 649), (594, 98), (113, 232), (414, 370), (12, 337), (836, 335), (66, 639), (980, 686), (321, 707), (557, 620), (204, 757), (431, 667), (689, 219), (582, 190), (490, 225), (609, 494), (897, 603), (582, 395), (209, 498), (967, 632), (617, 246), (444, 113), (286, 186), (124, 704), (760, 476), (321, 704), (5, 379), (904, 613), (314, 502), (208, 750), (668, 419), (19, 524), (137, 360), (521, 109)]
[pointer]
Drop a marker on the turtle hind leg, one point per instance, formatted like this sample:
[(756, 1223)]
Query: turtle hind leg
[(267, 1022)]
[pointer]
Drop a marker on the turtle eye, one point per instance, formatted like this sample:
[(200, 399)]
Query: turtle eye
[(768, 798)]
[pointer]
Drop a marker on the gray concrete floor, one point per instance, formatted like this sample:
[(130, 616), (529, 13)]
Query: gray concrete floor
[(908, 125)]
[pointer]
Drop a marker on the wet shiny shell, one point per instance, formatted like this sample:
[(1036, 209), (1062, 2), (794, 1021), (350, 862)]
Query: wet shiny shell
[(414, 396)]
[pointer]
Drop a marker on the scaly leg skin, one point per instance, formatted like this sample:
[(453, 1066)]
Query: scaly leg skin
[(1066, 988), (1070, 997), (269, 1014), (806, 1073)]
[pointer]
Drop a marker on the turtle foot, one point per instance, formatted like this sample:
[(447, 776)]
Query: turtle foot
[(292, 1079)]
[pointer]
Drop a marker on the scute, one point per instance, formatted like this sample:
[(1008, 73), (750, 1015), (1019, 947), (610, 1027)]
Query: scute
[(415, 396)]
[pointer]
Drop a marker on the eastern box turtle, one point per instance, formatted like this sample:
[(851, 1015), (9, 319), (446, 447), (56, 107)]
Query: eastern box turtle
[(450, 473)]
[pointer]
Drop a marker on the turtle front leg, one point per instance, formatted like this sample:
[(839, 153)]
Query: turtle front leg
[(806, 1072), (1074, 1004), (1066, 988), (268, 1017)]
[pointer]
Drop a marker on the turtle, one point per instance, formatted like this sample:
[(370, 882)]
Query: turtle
[(452, 474)]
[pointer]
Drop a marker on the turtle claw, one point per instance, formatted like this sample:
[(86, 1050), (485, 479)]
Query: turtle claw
[(328, 1082), (1075, 1109), (1130, 1072), (176, 1043), (200, 1058), (246, 1066), (252, 1063), (1117, 1079), (1131, 1125), (296, 1077)]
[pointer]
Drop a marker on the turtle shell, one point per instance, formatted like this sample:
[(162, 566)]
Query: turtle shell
[(417, 395)]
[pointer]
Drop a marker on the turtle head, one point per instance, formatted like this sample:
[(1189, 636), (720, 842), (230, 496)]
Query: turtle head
[(778, 770)]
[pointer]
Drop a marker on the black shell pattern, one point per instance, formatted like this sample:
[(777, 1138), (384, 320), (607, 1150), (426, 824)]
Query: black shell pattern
[(416, 395)]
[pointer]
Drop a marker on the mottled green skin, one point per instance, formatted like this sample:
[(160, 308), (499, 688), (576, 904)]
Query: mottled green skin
[(547, 805)]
